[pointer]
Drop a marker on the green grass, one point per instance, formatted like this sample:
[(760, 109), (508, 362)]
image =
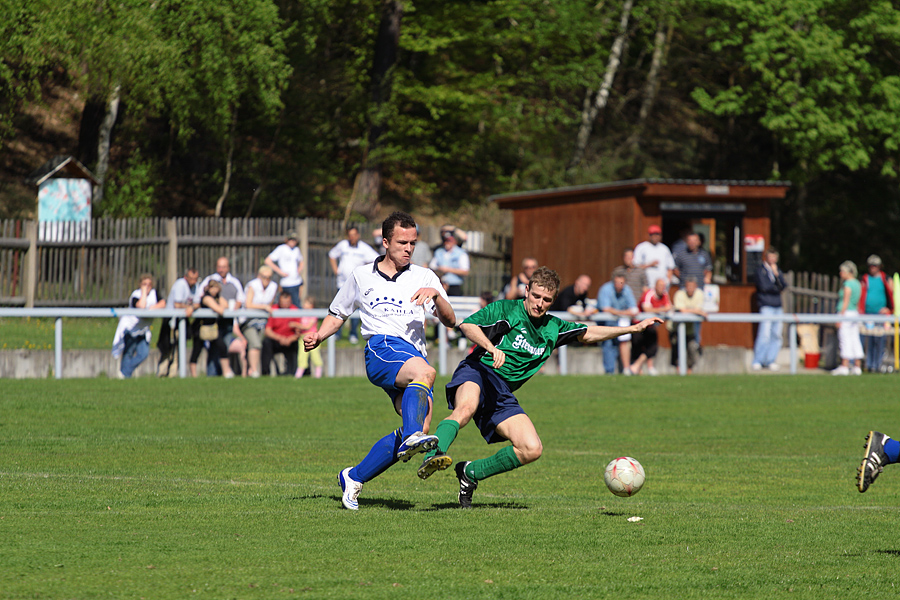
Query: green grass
[(226, 489)]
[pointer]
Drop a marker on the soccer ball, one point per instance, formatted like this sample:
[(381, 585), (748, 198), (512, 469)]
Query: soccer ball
[(624, 476)]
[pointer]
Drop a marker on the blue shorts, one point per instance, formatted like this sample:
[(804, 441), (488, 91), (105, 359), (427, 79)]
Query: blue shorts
[(385, 356), (497, 402)]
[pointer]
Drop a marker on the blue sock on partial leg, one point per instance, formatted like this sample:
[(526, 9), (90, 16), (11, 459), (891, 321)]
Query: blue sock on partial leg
[(892, 450), (379, 459), (414, 407)]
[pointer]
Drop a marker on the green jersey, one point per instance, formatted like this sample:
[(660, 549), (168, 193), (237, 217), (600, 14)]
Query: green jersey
[(527, 342)]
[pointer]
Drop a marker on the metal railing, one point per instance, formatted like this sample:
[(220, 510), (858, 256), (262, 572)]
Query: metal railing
[(680, 319)]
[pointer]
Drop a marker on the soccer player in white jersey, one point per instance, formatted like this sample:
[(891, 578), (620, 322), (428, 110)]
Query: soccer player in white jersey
[(392, 296)]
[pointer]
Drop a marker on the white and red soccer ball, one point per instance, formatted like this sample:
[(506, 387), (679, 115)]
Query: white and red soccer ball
[(624, 476)]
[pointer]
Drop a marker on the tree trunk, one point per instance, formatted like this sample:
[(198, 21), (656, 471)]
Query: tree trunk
[(228, 166), (367, 186), (651, 88), (105, 138), (592, 109)]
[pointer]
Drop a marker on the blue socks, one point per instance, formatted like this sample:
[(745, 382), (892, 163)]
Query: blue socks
[(414, 405), (892, 449), (379, 459)]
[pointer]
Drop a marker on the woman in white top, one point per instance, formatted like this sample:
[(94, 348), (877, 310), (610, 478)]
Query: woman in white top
[(260, 294)]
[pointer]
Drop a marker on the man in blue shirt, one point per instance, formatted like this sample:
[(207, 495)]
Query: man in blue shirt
[(617, 299), (451, 263)]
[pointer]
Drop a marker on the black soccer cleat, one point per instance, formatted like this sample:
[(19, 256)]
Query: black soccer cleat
[(467, 486), (873, 461)]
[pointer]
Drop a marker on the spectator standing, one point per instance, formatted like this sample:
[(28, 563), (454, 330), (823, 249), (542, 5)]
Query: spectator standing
[(450, 262), (635, 276), (769, 285), (616, 299), (876, 298), (309, 325), (281, 337), (132, 339), (645, 344), (848, 331), (688, 300), (345, 256), (422, 254), (654, 257), (286, 261), (518, 285), (377, 241), (181, 295), (694, 262), (260, 295), (573, 298), (222, 275)]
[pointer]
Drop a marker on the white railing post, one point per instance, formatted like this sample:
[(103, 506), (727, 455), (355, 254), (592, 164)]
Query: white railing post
[(682, 348), (563, 360), (332, 361), (182, 348), (792, 332), (442, 349), (57, 349)]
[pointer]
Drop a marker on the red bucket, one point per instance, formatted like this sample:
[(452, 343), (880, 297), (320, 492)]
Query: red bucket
[(812, 361)]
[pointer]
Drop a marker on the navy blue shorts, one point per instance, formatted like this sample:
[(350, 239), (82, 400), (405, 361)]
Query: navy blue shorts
[(497, 402), (385, 356)]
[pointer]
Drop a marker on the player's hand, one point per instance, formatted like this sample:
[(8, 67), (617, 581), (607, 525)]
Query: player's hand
[(311, 341), (423, 295), (499, 357), (643, 325)]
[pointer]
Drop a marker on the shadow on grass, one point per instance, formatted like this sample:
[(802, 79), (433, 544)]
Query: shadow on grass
[(611, 513), (477, 505), (891, 552), (388, 503)]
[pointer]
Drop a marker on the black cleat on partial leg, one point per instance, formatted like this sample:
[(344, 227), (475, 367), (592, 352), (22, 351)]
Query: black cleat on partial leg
[(467, 486), (873, 461)]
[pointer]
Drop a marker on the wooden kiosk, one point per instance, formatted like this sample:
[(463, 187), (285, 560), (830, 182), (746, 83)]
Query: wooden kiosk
[(585, 229)]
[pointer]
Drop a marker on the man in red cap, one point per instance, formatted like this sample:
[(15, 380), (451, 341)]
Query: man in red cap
[(654, 256)]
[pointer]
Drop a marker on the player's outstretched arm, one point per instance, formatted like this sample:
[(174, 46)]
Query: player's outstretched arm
[(476, 336), (330, 325), (601, 333)]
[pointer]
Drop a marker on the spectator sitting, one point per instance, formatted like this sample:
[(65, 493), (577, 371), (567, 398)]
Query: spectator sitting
[(309, 325), (450, 262), (132, 339), (616, 299), (645, 344), (516, 288), (213, 300), (260, 296), (688, 300), (282, 334), (573, 298)]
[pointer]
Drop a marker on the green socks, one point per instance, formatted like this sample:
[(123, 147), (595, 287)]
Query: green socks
[(503, 461), (446, 432)]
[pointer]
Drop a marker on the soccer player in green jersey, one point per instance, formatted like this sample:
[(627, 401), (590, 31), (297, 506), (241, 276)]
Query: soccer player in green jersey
[(514, 338)]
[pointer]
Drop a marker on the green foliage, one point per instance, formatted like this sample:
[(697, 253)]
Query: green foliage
[(130, 191), (820, 75), (227, 489)]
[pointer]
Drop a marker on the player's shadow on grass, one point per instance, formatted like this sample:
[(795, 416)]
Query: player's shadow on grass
[(891, 552), (388, 503), (478, 505), (611, 513)]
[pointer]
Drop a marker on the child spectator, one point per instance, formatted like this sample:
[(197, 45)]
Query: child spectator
[(309, 325)]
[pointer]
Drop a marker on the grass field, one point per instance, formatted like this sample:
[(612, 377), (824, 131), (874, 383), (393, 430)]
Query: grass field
[(226, 489)]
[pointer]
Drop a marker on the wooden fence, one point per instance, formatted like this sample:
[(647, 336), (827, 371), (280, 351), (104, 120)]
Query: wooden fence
[(811, 293), (104, 269)]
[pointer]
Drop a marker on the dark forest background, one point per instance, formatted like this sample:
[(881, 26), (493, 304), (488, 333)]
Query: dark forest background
[(341, 108)]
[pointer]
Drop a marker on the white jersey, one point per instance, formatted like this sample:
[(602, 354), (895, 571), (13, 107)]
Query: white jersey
[(288, 260), (384, 302), (229, 279), (646, 253), (349, 257)]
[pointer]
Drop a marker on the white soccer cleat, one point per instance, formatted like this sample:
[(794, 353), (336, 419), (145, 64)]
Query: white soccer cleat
[(350, 489), (415, 443)]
